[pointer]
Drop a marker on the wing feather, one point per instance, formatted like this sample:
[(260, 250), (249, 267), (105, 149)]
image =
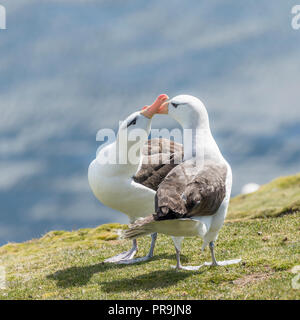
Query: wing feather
[(190, 190), (160, 156)]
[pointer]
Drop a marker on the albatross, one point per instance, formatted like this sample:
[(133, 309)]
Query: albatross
[(129, 186), (192, 200)]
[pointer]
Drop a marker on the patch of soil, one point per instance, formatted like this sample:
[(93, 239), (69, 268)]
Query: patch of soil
[(251, 278)]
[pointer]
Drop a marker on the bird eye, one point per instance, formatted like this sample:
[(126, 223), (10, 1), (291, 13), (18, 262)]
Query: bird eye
[(175, 105), (133, 122)]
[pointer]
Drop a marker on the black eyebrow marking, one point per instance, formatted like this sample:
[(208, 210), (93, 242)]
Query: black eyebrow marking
[(132, 122), (175, 105)]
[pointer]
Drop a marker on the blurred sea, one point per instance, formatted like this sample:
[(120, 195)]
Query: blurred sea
[(69, 68)]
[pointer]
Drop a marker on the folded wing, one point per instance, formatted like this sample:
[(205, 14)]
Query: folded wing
[(160, 156), (191, 190)]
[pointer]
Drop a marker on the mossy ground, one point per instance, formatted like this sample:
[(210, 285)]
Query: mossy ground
[(68, 265), (279, 197)]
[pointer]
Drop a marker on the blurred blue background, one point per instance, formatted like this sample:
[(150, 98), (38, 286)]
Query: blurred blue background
[(71, 67)]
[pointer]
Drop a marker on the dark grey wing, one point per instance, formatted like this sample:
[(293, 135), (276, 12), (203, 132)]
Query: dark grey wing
[(160, 156), (190, 190)]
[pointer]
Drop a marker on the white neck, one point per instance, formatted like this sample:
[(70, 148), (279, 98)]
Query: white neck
[(199, 141), (117, 155)]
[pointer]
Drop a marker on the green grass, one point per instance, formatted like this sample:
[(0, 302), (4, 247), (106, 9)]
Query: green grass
[(68, 265), (279, 197)]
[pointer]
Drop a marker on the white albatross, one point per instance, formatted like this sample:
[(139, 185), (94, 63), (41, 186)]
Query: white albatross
[(129, 186), (193, 198)]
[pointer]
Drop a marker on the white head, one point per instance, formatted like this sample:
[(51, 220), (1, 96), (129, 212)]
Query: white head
[(134, 132), (189, 111), (134, 122), (141, 120)]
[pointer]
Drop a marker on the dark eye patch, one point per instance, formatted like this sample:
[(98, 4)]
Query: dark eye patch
[(133, 122), (175, 105)]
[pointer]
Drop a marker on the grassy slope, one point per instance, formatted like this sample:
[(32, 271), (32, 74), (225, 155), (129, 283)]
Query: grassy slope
[(276, 198), (67, 265)]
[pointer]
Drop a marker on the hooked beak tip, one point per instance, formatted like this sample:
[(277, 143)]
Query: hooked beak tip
[(164, 108), (150, 111)]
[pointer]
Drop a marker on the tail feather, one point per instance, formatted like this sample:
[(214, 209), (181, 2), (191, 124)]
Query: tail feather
[(175, 227), (139, 228)]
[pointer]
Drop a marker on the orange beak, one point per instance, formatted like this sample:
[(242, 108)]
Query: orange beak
[(150, 111), (164, 108)]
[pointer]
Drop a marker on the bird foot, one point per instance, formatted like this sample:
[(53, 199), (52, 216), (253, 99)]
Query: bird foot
[(188, 268), (219, 263), (136, 260), (223, 263), (127, 255)]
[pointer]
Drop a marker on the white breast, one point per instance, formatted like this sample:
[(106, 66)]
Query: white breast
[(120, 192)]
